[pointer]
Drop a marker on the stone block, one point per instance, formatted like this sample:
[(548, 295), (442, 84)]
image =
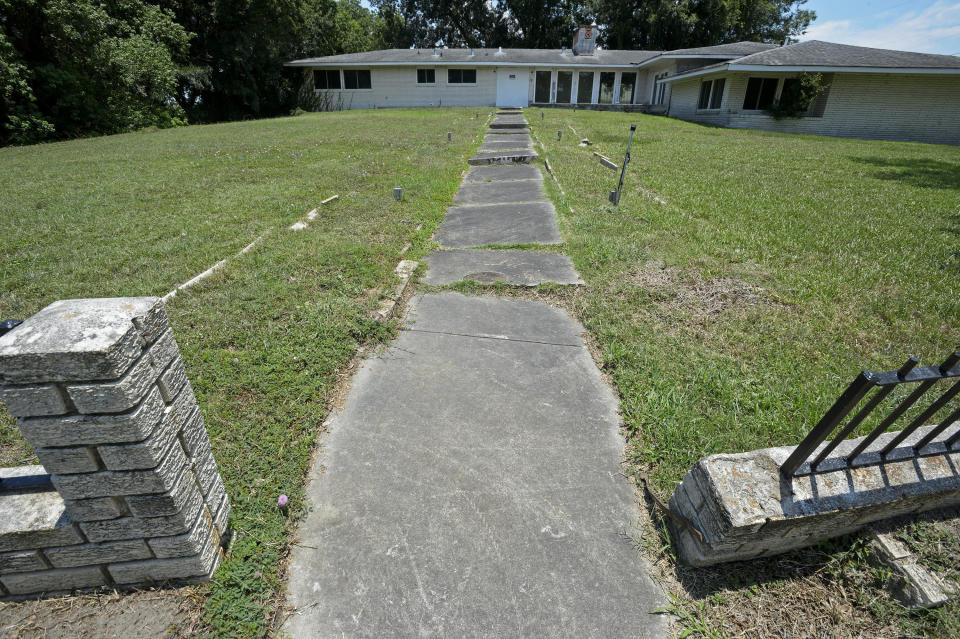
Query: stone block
[(31, 520), (749, 509), (195, 435), (184, 402), (221, 520), (188, 544), (216, 494), (66, 461), (157, 570), (73, 430), (95, 554), (171, 502), (173, 380), (205, 470), (145, 527), (85, 339), (21, 561), (112, 483), (53, 580), (120, 395), (34, 400), (95, 509), (141, 455)]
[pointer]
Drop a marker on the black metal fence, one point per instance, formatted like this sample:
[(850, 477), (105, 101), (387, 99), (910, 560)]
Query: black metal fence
[(925, 378)]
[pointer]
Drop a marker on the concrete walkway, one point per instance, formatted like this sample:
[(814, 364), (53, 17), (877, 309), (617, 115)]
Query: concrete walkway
[(470, 486)]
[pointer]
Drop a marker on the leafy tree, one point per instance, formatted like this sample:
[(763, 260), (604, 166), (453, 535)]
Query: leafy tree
[(675, 24), (81, 67)]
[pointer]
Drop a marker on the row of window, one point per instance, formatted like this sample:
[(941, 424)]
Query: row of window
[(352, 79), (761, 92), (564, 88), (360, 78)]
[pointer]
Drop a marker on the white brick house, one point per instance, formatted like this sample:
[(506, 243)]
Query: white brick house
[(873, 93)]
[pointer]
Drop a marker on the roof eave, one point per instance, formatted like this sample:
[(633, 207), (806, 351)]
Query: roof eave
[(768, 68)]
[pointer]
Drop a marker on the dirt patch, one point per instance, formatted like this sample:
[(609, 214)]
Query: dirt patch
[(150, 613), (699, 296)]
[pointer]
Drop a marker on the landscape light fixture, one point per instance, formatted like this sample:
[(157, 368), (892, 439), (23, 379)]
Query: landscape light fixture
[(449, 136), (398, 193), (559, 134), (615, 195)]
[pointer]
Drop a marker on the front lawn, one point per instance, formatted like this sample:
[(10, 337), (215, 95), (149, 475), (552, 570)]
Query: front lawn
[(263, 339), (744, 280)]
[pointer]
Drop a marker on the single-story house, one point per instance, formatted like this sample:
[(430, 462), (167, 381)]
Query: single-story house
[(869, 93)]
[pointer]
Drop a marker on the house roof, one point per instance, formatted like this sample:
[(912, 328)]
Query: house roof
[(816, 55), (732, 50), (480, 57)]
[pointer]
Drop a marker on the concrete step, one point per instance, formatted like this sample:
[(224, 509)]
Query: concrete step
[(502, 173), (500, 192), (471, 226), (504, 157), (521, 268)]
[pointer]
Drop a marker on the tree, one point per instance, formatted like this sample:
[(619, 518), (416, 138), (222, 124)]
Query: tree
[(80, 67), (676, 24)]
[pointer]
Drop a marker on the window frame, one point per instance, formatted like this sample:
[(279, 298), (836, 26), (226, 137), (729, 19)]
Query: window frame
[(358, 87), (427, 84), (326, 77), (763, 81), (461, 83)]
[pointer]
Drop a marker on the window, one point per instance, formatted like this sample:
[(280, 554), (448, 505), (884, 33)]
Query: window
[(717, 96), (356, 79), (426, 76), (703, 101), (564, 86), (627, 82), (760, 93), (326, 79), (606, 86), (711, 94), (585, 87), (541, 92), (461, 76)]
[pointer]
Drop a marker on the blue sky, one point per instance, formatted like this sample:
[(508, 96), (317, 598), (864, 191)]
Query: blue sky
[(930, 26)]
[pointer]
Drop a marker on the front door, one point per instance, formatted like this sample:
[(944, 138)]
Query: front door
[(513, 88)]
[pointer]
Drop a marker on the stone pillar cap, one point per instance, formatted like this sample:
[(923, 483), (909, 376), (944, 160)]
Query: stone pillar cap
[(79, 340)]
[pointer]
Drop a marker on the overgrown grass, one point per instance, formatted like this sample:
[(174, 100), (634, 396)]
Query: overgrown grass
[(264, 338), (744, 280)]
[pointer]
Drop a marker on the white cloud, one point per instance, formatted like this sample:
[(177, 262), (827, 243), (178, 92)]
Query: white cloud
[(935, 29)]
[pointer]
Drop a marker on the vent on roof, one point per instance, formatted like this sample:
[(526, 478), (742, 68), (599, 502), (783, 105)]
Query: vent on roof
[(585, 40), (435, 54), (500, 50)]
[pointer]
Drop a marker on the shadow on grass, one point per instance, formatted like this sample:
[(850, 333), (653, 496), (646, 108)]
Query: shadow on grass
[(921, 172)]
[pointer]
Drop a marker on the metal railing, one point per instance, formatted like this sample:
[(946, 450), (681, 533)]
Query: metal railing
[(925, 377)]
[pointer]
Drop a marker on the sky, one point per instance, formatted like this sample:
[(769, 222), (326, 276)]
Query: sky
[(929, 26)]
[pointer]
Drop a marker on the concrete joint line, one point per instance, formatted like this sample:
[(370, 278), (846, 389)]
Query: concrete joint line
[(493, 337)]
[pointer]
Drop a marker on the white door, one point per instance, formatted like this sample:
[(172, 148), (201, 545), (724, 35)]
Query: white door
[(513, 88)]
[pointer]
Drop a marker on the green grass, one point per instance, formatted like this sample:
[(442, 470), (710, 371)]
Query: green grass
[(742, 283), (264, 338)]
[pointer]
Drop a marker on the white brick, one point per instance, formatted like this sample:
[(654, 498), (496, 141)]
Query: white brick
[(36, 400), (65, 461), (53, 580), (157, 570), (95, 554), (111, 483), (142, 455)]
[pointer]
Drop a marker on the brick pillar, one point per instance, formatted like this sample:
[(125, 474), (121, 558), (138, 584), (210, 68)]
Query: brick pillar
[(101, 394)]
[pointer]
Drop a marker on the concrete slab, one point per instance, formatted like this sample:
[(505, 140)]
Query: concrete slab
[(470, 488), (523, 268), (469, 226), (503, 157), (500, 192), (513, 139), (493, 147), (508, 122), (523, 131), (497, 173)]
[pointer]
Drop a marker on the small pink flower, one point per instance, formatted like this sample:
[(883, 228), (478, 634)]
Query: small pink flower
[(282, 501), (184, 234)]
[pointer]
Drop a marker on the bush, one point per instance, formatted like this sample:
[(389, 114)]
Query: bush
[(797, 96)]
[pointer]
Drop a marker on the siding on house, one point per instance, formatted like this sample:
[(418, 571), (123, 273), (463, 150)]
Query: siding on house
[(397, 87), (916, 108)]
